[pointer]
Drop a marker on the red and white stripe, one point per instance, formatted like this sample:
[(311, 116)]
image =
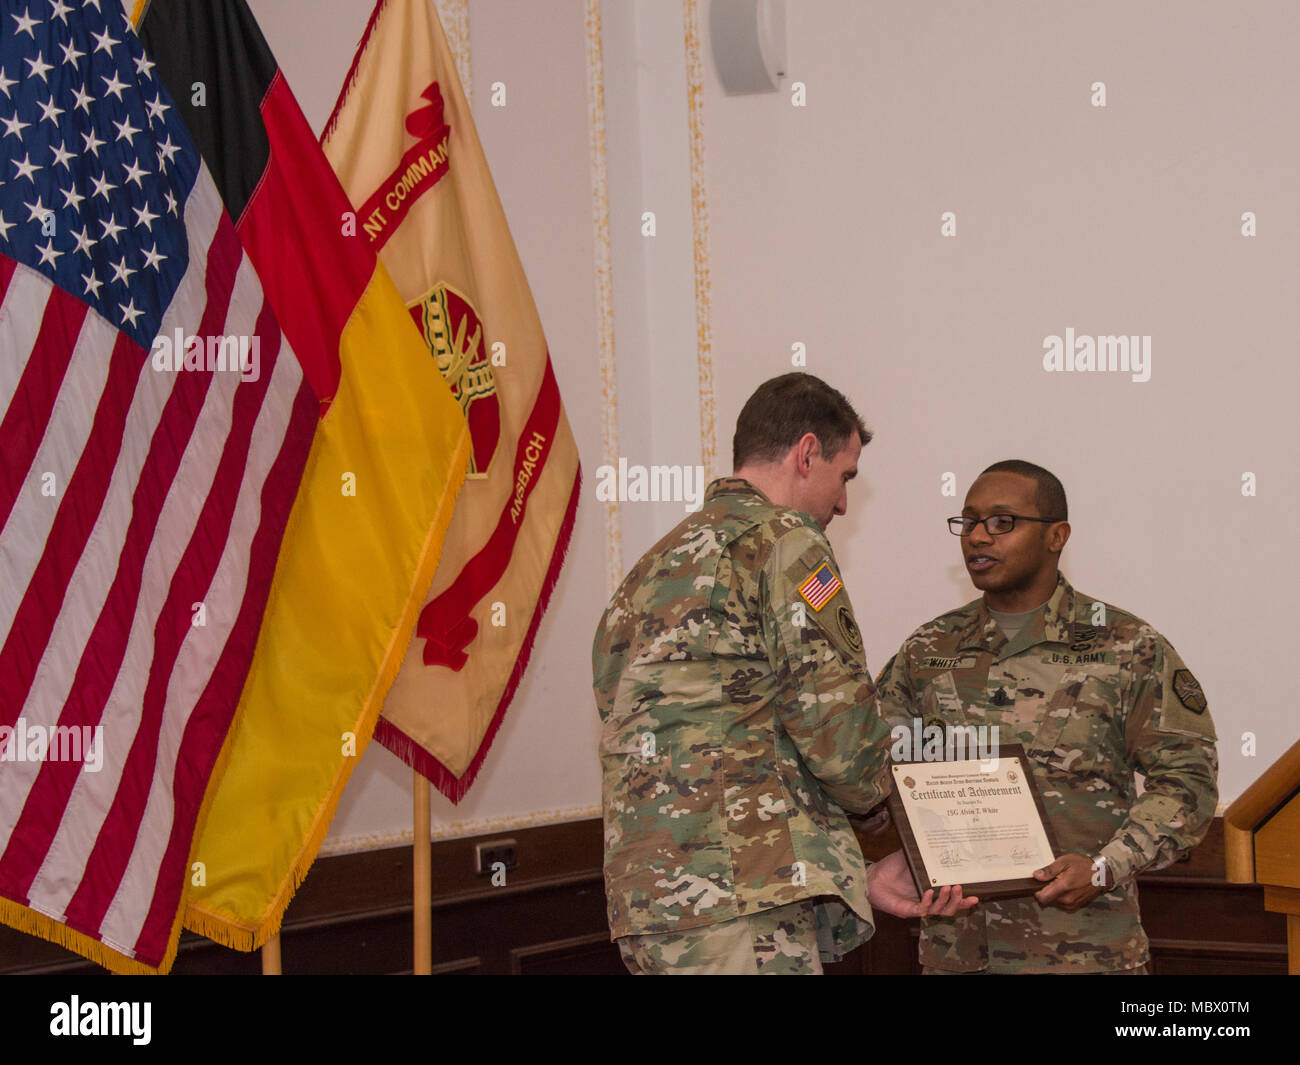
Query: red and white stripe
[(173, 489), (818, 594)]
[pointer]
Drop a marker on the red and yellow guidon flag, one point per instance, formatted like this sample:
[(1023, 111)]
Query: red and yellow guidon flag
[(403, 145), (388, 455)]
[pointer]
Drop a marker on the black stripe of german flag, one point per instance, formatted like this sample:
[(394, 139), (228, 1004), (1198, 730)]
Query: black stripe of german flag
[(215, 53)]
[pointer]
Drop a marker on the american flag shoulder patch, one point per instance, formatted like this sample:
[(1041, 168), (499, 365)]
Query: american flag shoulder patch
[(820, 588)]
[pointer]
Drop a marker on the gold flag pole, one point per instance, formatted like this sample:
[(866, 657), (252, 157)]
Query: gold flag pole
[(423, 890), (271, 956)]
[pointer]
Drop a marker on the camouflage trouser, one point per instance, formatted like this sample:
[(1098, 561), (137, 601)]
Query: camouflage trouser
[(781, 941), (929, 970)]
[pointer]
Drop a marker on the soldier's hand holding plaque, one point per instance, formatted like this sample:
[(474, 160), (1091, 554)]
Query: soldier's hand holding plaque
[(976, 822)]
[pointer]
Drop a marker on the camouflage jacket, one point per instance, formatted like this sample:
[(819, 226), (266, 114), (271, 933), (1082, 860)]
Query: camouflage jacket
[(1094, 695), (739, 723)]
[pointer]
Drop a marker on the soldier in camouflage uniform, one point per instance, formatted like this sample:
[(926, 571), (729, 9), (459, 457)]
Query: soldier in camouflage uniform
[(739, 719), (1094, 695)]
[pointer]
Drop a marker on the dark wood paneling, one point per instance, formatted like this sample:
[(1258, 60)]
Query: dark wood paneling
[(353, 915), (575, 956), (1196, 921), (1187, 957)]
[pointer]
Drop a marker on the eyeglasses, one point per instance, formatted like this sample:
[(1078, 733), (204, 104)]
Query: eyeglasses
[(994, 524)]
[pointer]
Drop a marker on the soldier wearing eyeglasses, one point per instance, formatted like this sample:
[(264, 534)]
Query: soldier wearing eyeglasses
[(1095, 696)]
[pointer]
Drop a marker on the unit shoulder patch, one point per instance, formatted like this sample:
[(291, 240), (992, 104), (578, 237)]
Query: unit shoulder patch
[(1189, 691), (849, 627)]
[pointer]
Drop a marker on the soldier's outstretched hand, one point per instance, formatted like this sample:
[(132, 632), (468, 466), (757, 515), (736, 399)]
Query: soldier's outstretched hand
[(890, 888)]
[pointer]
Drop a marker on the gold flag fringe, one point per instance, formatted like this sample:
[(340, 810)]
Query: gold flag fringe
[(27, 920), (226, 928), (212, 922)]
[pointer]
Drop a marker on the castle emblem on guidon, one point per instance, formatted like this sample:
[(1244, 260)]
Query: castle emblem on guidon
[(454, 333)]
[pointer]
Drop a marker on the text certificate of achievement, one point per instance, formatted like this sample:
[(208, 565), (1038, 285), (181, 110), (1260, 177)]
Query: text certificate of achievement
[(975, 822)]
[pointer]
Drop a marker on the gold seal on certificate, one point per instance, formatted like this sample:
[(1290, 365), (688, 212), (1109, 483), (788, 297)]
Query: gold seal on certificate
[(977, 822)]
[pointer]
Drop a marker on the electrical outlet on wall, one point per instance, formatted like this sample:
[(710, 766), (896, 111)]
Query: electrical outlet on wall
[(488, 854)]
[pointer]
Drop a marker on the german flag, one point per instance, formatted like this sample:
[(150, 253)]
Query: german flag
[(388, 458)]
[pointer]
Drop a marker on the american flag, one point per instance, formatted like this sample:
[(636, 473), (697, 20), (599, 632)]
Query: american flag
[(141, 506), (818, 589)]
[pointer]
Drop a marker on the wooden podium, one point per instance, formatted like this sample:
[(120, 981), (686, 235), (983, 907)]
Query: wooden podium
[(1261, 838)]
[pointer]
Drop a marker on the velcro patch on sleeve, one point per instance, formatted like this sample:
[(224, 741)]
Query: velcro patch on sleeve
[(1184, 708), (1189, 691), (848, 627), (820, 588)]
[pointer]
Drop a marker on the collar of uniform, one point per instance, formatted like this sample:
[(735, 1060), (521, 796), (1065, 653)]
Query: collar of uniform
[(733, 486), (1053, 625)]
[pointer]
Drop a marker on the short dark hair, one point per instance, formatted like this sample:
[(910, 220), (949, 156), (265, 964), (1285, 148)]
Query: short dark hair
[(1050, 496), (782, 410)]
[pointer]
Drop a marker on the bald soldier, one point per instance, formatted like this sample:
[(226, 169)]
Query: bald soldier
[(738, 717), (1096, 696)]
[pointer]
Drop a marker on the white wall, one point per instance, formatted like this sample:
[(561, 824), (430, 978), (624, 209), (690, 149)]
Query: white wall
[(1123, 219), (824, 227)]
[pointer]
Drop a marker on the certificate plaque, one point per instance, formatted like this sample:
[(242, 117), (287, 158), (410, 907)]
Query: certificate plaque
[(977, 822)]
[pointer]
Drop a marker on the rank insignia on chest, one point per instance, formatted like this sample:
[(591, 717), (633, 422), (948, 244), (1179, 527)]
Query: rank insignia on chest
[(1000, 697), (820, 588), (1082, 637)]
